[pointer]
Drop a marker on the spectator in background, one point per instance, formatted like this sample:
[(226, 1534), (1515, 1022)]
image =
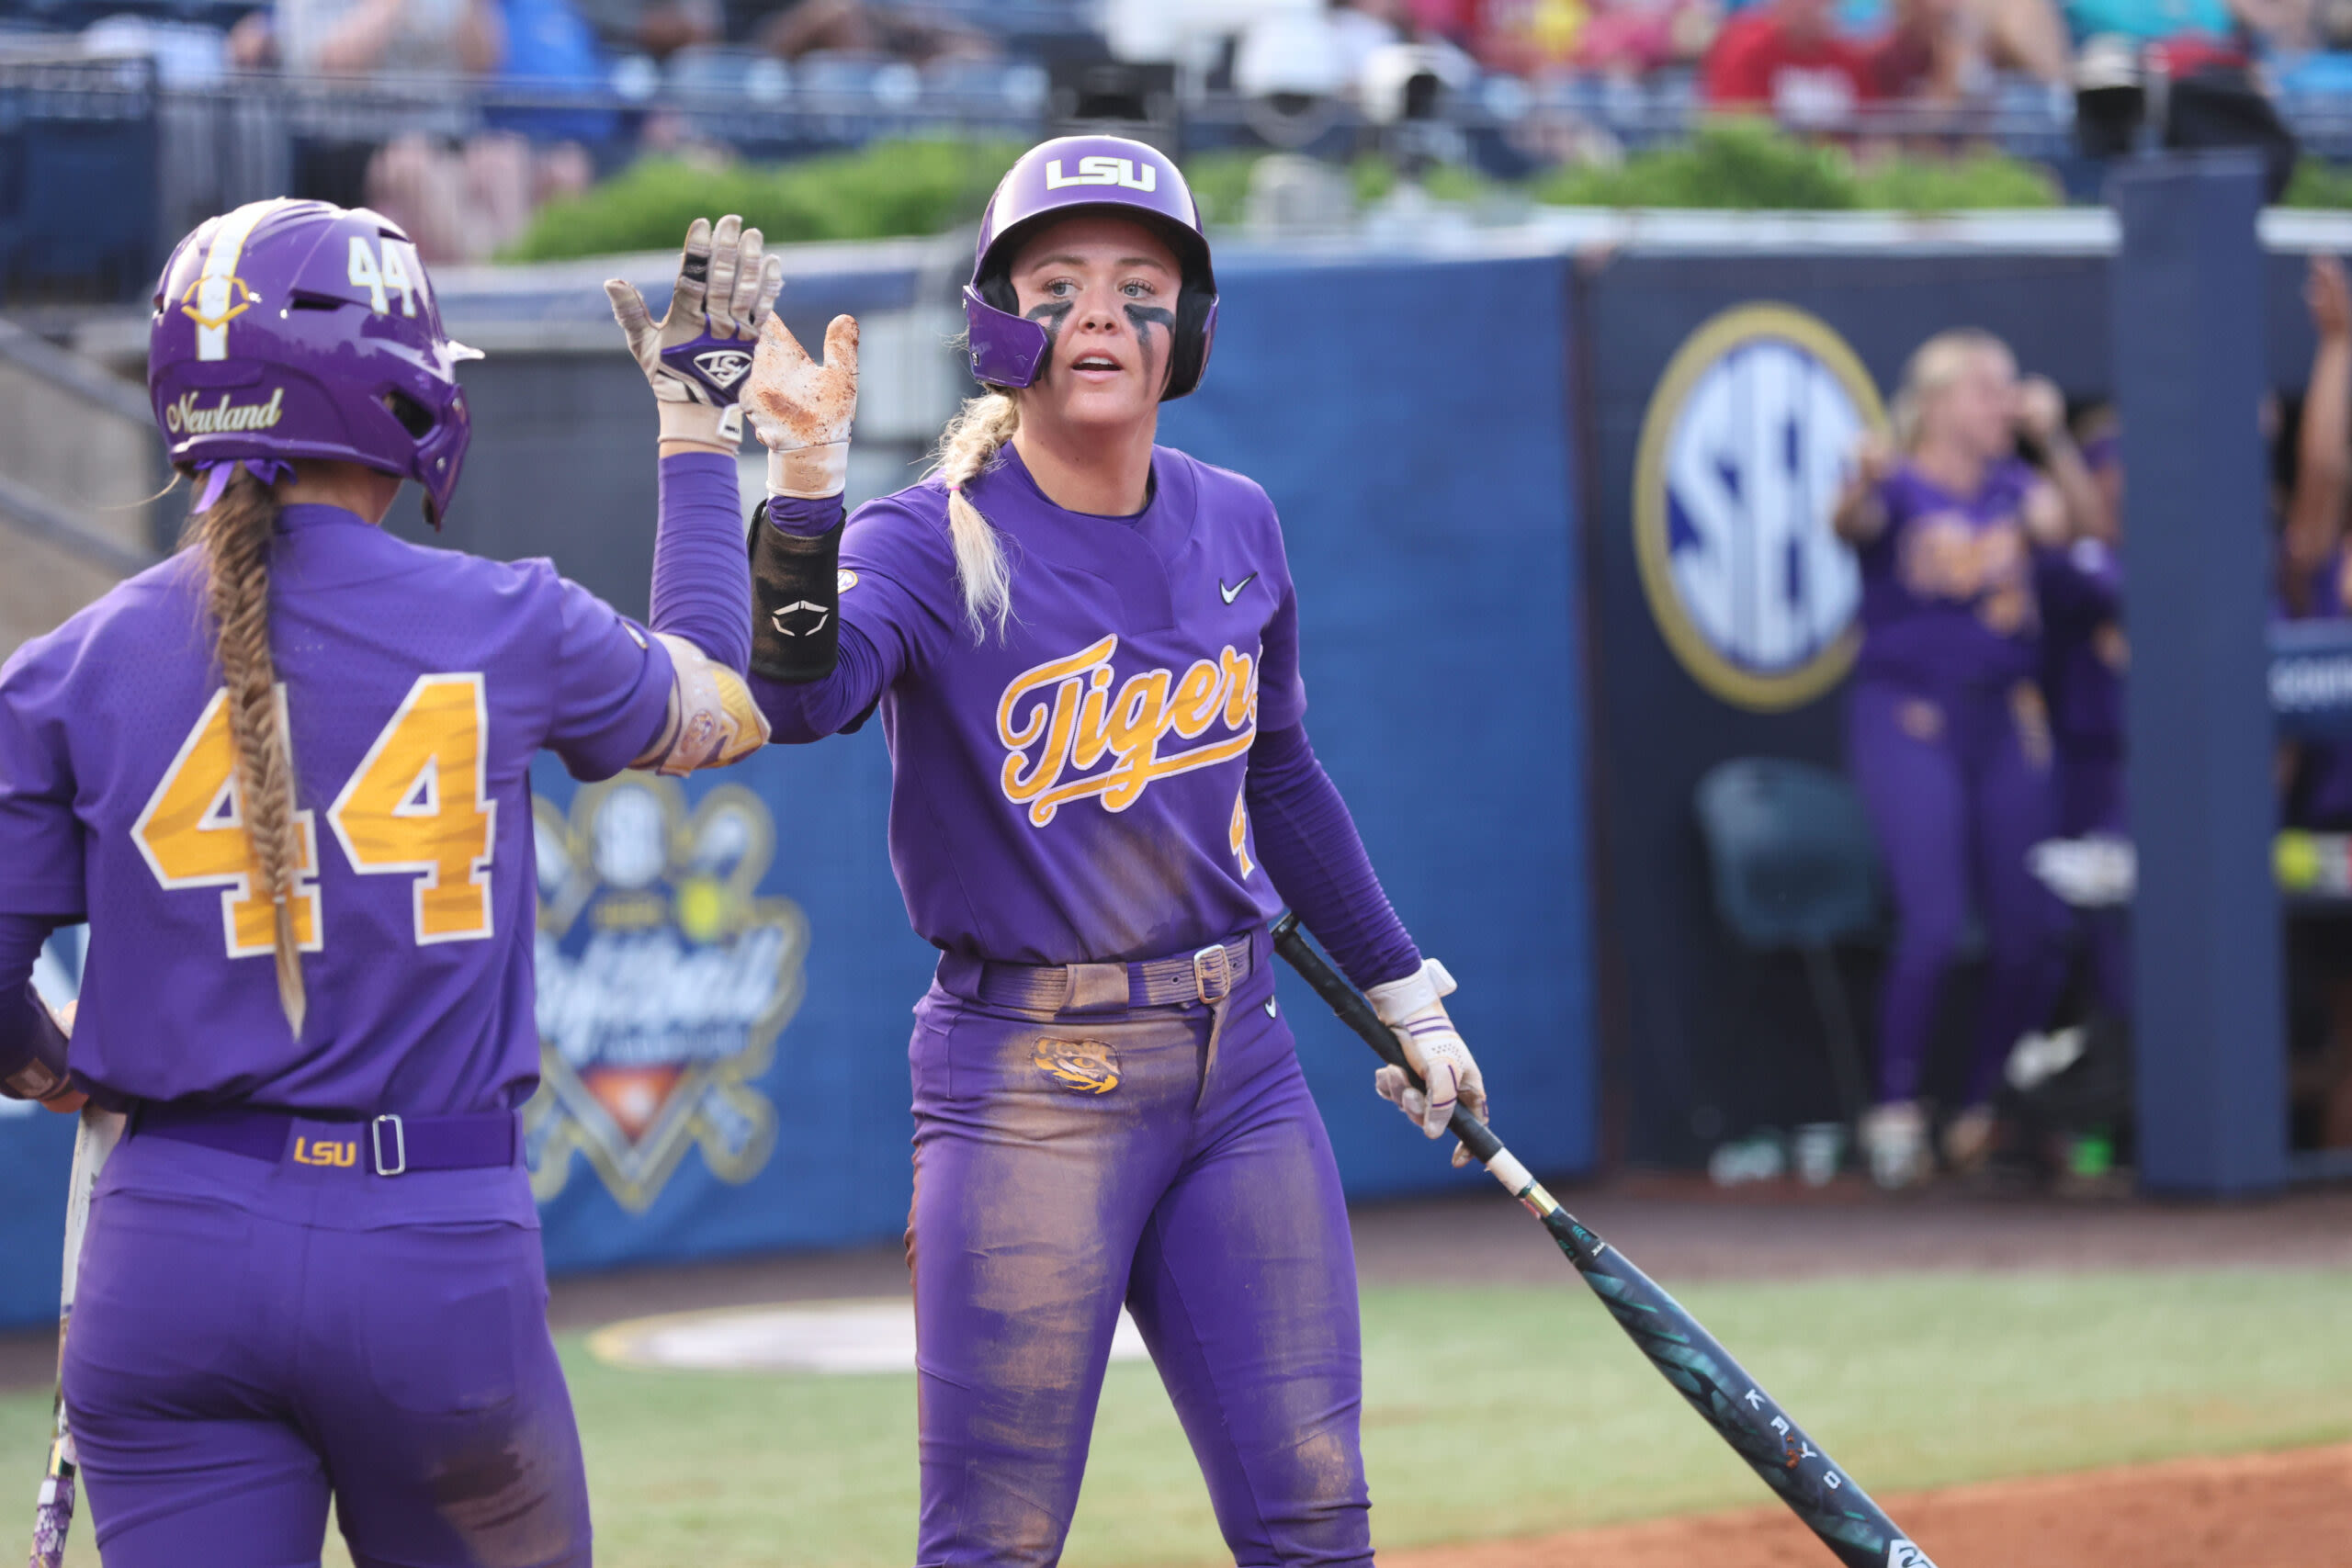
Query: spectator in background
[(912, 33), (1627, 38), (1931, 54), (364, 38), (2150, 21), (2313, 480), (1360, 27), (459, 203), (1948, 738), (1786, 57), (1943, 51), (655, 28)]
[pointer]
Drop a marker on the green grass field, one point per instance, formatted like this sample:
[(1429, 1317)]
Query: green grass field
[(1526, 1408)]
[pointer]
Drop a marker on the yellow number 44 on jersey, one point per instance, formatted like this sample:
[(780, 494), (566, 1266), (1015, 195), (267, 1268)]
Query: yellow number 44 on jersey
[(418, 805)]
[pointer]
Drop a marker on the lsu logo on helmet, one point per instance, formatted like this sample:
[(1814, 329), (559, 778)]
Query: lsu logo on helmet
[(723, 366), (1103, 171), (1082, 1067)]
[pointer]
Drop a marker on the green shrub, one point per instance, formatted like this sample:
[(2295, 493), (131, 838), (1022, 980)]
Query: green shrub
[(2318, 182), (1734, 163), (1981, 180), (1753, 166), (1220, 182), (925, 186), (887, 188)]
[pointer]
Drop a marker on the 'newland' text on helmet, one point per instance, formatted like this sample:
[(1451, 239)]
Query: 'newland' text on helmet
[(296, 329), (1077, 174)]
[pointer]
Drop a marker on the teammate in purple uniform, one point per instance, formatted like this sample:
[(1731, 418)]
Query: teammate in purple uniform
[(1948, 738), (2078, 584), (1084, 649), (282, 776)]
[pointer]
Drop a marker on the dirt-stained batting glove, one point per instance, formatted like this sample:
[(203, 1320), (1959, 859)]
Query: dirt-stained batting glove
[(1413, 1011), (698, 354), (802, 410), (65, 1099)]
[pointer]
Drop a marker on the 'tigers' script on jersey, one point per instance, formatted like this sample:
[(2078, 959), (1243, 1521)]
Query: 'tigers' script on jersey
[(1084, 721)]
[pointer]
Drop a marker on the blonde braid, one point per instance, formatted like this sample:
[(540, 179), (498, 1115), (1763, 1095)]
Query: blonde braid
[(235, 538), (968, 448)]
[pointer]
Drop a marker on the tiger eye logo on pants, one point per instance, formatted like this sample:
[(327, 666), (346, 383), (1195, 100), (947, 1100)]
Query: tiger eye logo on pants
[(1082, 1067)]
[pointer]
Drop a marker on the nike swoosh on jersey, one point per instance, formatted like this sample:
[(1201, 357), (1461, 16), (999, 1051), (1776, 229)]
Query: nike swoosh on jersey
[(1235, 591)]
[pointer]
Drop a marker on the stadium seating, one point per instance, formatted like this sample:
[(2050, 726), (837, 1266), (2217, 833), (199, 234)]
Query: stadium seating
[(1793, 868)]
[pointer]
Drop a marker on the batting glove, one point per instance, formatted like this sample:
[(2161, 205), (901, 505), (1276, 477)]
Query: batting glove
[(1412, 1010), (700, 353), (65, 1099), (802, 411)]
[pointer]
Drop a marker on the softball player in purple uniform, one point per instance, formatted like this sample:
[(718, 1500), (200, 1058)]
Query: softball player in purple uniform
[(1947, 737), (2078, 586), (1084, 650), (283, 778)]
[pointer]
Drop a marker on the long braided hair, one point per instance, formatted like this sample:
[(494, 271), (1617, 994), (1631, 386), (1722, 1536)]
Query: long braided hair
[(232, 539), (968, 448)]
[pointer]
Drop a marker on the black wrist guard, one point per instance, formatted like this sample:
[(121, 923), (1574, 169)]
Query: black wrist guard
[(795, 602)]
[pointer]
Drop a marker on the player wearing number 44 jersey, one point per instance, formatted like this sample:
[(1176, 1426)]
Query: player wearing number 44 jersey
[(283, 778), (1084, 650)]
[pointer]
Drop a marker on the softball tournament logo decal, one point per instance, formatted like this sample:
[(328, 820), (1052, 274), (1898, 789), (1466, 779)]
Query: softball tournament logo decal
[(663, 979), (1746, 440)]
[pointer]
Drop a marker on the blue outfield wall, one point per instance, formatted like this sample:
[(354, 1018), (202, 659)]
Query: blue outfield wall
[(726, 970)]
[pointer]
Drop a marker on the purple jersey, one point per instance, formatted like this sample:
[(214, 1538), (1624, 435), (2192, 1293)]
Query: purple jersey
[(1073, 792), (1948, 586), (419, 683), (2080, 589)]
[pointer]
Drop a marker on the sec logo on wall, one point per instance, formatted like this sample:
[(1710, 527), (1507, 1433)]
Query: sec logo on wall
[(1746, 440), (663, 980)]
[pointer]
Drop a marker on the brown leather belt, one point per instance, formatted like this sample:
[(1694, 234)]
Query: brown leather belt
[(1206, 976)]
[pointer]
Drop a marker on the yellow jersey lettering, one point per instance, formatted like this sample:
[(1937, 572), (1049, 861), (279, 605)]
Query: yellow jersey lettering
[(317, 1151), (1241, 688), (1198, 696), (1094, 719), (1063, 717)]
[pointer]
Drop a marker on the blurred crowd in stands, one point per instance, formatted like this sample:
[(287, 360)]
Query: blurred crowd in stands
[(2114, 69)]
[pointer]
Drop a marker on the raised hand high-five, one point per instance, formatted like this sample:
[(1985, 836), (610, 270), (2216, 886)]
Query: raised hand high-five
[(802, 410), (698, 355)]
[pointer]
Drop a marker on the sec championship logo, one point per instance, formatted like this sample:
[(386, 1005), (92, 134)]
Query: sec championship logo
[(1746, 440), (663, 979)]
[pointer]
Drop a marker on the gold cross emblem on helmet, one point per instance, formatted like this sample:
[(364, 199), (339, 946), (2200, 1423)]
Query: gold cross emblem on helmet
[(215, 301)]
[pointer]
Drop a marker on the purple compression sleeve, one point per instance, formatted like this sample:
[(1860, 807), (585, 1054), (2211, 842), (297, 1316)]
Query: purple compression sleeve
[(1316, 859), (28, 1034), (809, 519), (799, 713), (702, 582)]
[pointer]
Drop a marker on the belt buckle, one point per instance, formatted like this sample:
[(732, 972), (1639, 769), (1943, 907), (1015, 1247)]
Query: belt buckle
[(400, 1145), (1213, 974)]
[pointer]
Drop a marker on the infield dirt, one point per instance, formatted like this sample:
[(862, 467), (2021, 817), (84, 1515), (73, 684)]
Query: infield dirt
[(2283, 1510)]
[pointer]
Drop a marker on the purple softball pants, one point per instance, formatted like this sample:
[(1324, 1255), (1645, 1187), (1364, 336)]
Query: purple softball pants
[(249, 1338), (1957, 793), (1068, 1163)]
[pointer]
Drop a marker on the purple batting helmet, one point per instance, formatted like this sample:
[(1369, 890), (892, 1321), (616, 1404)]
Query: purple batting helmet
[(1078, 173), (296, 329)]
